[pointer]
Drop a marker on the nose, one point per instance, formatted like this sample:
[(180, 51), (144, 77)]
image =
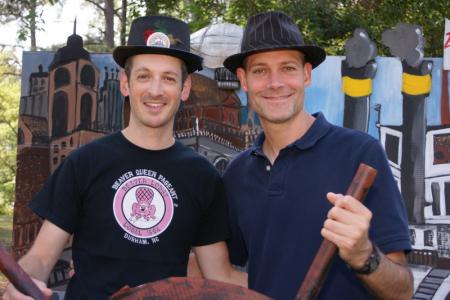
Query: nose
[(275, 80), (155, 88)]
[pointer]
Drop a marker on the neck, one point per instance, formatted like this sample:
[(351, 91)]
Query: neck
[(149, 138), (278, 136)]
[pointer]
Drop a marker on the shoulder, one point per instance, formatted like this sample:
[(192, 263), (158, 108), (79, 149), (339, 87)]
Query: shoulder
[(95, 151), (109, 141), (350, 142), (238, 163), (348, 135), (188, 157)]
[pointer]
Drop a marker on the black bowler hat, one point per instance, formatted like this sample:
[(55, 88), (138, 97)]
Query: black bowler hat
[(159, 35), (273, 31)]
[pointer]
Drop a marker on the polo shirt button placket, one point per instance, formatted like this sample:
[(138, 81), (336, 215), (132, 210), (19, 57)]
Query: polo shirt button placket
[(276, 178)]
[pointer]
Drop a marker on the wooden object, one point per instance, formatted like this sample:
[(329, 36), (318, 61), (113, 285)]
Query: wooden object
[(17, 276), (314, 279)]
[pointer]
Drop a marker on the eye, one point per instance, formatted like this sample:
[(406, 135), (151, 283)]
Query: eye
[(170, 79), (142, 76), (289, 68), (258, 71)]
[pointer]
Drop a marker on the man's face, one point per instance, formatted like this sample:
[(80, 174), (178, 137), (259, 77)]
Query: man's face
[(275, 82), (155, 89)]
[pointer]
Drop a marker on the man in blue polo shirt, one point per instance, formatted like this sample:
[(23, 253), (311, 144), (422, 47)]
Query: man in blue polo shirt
[(285, 191)]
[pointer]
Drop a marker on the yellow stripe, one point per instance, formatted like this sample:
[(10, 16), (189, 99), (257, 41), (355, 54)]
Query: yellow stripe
[(416, 84), (356, 87)]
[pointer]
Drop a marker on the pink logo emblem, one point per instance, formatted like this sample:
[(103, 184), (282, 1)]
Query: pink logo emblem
[(143, 207)]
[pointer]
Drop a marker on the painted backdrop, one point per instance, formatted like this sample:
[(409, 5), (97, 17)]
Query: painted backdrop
[(71, 97)]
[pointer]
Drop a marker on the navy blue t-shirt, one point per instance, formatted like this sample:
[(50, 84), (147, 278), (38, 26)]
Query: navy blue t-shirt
[(134, 213), (277, 211)]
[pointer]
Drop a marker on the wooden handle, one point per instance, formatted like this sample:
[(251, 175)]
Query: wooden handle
[(17, 276), (318, 270)]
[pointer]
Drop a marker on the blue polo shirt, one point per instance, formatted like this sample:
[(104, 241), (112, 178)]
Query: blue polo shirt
[(277, 211)]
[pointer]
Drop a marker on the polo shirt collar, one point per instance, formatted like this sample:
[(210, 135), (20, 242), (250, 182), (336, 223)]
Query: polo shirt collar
[(317, 130)]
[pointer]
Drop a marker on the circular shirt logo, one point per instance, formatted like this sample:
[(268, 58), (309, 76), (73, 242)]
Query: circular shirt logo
[(143, 207), (158, 39)]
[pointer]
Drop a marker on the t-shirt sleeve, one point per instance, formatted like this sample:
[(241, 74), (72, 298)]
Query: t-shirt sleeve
[(389, 226), (59, 199), (213, 226)]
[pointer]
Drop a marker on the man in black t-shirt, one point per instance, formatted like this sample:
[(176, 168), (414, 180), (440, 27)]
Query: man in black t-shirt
[(136, 201)]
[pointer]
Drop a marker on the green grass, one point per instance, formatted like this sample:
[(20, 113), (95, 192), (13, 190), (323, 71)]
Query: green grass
[(6, 231), (6, 240)]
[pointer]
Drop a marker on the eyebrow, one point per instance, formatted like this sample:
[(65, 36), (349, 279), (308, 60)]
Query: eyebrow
[(144, 69), (262, 63)]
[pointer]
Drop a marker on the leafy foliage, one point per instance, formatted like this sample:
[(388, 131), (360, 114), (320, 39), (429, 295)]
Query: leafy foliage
[(331, 23), (328, 23), (9, 112)]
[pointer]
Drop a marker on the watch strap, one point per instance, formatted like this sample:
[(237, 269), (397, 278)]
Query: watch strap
[(371, 264)]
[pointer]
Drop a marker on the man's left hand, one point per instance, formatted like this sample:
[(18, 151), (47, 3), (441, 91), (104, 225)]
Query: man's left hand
[(347, 226)]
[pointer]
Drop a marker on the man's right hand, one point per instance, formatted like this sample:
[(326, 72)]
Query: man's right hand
[(11, 293)]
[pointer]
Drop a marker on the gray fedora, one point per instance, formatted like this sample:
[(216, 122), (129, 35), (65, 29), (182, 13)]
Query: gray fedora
[(273, 31), (159, 35)]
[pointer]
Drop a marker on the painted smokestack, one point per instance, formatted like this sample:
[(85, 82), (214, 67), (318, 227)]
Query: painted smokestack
[(406, 41), (358, 69)]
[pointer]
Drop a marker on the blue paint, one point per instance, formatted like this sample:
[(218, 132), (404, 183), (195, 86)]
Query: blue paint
[(324, 94)]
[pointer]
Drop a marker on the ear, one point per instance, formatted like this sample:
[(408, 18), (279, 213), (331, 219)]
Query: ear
[(240, 73), (124, 87), (186, 88), (307, 71)]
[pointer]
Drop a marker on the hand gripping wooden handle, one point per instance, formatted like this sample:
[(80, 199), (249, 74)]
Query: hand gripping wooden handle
[(17, 276), (318, 270)]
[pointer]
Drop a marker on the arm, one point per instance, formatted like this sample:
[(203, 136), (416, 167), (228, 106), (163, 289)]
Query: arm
[(392, 279), (347, 226), (193, 270), (214, 264), (41, 258)]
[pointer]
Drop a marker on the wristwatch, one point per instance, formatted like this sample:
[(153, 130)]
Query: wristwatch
[(371, 263)]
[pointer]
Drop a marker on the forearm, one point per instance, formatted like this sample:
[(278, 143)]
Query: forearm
[(391, 280), (229, 275), (35, 267), (225, 272), (237, 277), (214, 264), (44, 253)]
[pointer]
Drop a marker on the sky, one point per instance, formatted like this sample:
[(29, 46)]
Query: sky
[(59, 20)]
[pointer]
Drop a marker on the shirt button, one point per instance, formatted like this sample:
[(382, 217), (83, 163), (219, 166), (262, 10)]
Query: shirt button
[(268, 168)]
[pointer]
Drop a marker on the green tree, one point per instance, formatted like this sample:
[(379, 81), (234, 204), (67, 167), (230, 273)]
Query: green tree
[(377, 16), (331, 23), (197, 13), (9, 112), (107, 9), (29, 12)]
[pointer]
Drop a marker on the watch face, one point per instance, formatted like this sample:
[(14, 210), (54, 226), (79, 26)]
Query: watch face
[(371, 263), (374, 261)]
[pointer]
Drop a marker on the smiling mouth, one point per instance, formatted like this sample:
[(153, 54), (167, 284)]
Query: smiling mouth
[(154, 105), (277, 98)]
